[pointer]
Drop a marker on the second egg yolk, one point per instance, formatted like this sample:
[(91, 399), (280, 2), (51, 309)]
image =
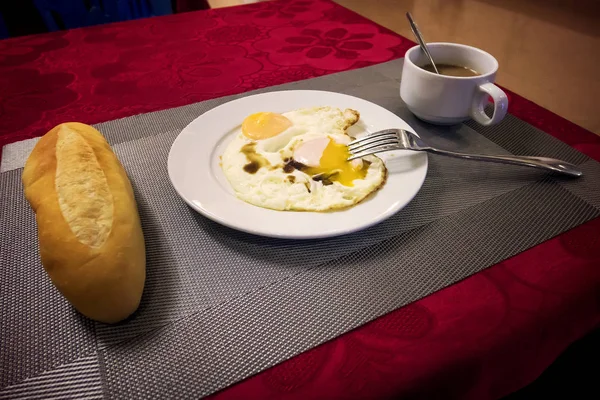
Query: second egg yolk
[(334, 164)]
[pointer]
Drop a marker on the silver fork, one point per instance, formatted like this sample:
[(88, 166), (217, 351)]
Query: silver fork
[(399, 139)]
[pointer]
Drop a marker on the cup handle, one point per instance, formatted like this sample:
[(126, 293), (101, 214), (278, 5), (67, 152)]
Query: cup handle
[(480, 100)]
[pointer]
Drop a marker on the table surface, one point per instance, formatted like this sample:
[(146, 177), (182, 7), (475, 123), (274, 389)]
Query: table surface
[(481, 338)]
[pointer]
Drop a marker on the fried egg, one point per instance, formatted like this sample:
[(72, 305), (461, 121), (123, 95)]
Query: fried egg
[(298, 161)]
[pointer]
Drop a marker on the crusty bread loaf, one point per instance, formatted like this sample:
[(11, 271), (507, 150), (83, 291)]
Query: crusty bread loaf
[(91, 241)]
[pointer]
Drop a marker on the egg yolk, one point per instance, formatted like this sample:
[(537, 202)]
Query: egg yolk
[(263, 125), (334, 165)]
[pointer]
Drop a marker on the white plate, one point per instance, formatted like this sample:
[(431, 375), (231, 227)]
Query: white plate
[(195, 172)]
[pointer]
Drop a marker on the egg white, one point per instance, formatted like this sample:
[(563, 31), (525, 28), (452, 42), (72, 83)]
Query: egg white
[(271, 187)]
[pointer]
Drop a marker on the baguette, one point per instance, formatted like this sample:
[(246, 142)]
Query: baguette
[(90, 236)]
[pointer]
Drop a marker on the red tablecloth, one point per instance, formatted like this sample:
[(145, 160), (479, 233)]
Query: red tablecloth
[(481, 338)]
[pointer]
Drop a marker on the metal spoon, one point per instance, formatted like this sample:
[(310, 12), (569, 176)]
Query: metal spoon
[(417, 33)]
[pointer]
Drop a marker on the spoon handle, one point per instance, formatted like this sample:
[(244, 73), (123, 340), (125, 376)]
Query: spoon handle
[(417, 33)]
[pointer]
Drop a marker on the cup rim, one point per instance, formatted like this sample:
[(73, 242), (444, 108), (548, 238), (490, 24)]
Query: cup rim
[(449, 44)]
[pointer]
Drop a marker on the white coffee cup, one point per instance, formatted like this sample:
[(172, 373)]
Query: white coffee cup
[(446, 100)]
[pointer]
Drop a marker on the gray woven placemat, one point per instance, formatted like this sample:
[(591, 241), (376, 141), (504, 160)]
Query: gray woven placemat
[(220, 305)]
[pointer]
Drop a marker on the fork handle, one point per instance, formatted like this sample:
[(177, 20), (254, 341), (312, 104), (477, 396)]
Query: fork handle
[(546, 163)]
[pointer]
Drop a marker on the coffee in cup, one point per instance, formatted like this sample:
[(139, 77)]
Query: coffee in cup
[(450, 70)]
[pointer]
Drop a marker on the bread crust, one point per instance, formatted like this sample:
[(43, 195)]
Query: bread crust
[(102, 276)]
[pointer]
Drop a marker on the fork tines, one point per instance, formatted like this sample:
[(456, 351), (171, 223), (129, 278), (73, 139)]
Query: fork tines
[(374, 143)]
